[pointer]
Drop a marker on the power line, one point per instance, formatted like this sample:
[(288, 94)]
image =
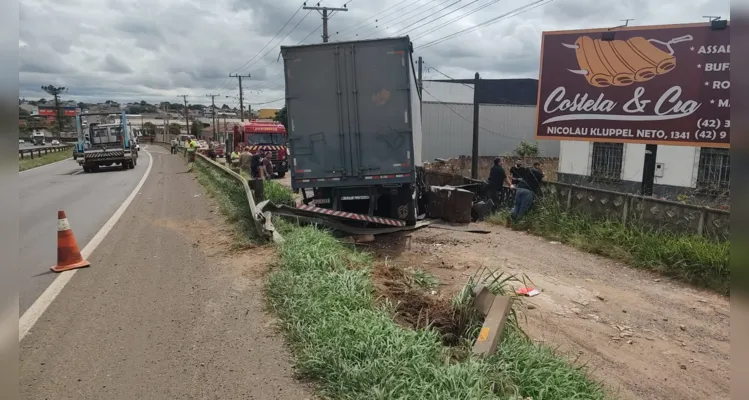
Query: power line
[(376, 21), (516, 11), (374, 29), (477, 9), (264, 47), (440, 17), (325, 16), (279, 42), (310, 34), (469, 86), (371, 16)]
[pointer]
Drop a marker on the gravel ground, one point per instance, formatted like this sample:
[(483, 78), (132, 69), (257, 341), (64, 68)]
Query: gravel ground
[(643, 335), (164, 312)]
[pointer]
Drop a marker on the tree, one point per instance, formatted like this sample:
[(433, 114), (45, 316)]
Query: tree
[(56, 91), (526, 149), (150, 128), (175, 129), (281, 116), (224, 107), (23, 113), (143, 103), (196, 128)]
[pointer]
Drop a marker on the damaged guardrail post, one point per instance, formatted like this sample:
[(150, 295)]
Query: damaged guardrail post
[(495, 309), (261, 220)]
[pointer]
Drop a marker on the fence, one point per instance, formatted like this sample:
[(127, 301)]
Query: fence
[(624, 207), (46, 149)]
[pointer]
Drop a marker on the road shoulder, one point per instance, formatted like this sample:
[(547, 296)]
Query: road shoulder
[(164, 311)]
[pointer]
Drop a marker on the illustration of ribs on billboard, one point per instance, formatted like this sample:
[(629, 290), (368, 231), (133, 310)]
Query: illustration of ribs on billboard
[(623, 62)]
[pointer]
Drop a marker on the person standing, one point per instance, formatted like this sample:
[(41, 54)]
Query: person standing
[(212, 150), (268, 165), (256, 164), (497, 178), (174, 146), (192, 149), (245, 161), (234, 160)]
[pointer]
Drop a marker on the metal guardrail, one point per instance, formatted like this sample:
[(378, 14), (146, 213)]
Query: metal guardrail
[(45, 149)]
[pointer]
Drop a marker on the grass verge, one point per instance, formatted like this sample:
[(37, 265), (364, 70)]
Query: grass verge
[(690, 258), (346, 340), (232, 202), (349, 343), (28, 163)]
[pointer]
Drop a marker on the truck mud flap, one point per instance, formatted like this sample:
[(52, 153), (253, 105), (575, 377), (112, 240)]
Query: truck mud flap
[(325, 220)]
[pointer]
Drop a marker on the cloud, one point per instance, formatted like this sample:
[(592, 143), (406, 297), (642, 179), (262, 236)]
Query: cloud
[(155, 50), (114, 65)]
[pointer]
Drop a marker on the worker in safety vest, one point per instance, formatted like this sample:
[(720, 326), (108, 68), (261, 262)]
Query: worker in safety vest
[(192, 148), (234, 159)]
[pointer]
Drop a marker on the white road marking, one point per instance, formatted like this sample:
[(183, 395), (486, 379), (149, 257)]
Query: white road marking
[(33, 313)]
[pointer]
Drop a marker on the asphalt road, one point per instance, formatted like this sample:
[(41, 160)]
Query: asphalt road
[(87, 199), (166, 311)]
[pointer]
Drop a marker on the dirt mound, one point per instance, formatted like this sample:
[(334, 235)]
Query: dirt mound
[(416, 308)]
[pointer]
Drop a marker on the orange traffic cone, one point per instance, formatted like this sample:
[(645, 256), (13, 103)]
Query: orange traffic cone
[(68, 255)]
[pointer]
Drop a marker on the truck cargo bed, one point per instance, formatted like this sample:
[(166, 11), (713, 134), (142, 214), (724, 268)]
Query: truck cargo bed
[(353, 113)]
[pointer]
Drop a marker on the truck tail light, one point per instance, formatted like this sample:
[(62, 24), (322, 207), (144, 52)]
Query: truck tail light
[(282, 154)]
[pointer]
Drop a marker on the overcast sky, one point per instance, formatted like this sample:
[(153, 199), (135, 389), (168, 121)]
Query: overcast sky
[(156, 50)]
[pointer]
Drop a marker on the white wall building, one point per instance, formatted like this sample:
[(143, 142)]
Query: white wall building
[(447, 118), (619, 166)]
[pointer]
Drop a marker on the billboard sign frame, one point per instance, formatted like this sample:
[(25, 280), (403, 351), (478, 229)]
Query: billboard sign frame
[(624, 85)]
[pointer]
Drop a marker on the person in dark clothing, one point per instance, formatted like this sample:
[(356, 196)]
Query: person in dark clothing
[(529, 185), (515, 171), (255, 164), (497, 178)]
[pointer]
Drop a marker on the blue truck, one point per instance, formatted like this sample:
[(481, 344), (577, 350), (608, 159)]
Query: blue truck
[(105, 144), (354, 130)]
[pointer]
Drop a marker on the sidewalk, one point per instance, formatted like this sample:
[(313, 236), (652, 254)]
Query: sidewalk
[(162, 313)]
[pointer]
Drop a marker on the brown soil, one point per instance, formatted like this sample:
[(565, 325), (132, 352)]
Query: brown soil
[(643, 335), (415, 307)]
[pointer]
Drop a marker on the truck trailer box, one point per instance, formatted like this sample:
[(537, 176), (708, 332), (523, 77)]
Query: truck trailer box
[(354, 126)]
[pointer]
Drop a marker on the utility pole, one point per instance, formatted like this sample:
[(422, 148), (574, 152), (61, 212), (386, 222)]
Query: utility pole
[(325, 16), (213, 109), (475, 150), (187, 121), (167, 133), (241, 96), (55, 91)]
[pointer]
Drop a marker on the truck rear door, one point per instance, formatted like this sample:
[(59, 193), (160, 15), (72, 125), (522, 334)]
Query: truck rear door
[(319, 146), (379, 109)]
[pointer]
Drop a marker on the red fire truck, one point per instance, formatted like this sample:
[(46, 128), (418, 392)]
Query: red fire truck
[(265, 135)]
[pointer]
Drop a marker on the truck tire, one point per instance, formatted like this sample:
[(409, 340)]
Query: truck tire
[(86, 169), (124, 166), (281, 174)]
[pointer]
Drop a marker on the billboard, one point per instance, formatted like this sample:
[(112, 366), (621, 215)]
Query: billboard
[(66, 111), (667, 84)]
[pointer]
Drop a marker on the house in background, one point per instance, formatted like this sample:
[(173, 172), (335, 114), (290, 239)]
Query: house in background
[(507, 117), (700, 172)]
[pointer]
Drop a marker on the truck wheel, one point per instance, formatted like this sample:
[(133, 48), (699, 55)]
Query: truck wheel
[(86, 169), (124, 166), (281, 174)]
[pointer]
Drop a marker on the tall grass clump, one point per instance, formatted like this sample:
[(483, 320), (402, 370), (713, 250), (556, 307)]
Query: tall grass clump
[(277, 193), (692, 259)]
